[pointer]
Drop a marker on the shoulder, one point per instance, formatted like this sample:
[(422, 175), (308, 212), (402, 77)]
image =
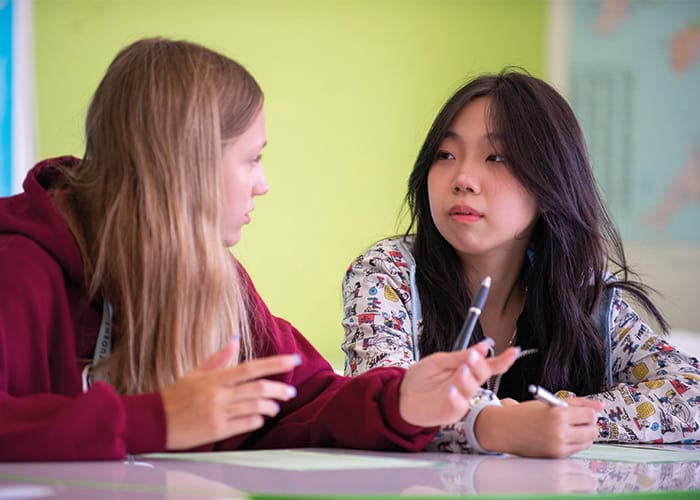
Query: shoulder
[(33, 290), (620, 311), (391, 254), (387, 262), (630, 334), (24, 263), (385, 266), (613, 304)]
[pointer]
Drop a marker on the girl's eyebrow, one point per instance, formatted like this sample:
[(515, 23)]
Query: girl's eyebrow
[(451, 134)]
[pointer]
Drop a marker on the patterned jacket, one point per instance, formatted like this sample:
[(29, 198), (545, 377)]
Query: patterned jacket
[(655, 396)]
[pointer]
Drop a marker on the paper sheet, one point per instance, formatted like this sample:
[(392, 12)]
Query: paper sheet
[(299, 460), (641, 454)]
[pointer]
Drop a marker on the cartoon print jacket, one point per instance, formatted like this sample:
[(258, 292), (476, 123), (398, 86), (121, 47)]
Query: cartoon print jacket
[(655, 397)]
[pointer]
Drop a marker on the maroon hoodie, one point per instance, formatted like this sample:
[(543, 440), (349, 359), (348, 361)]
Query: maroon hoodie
[(48, 331)]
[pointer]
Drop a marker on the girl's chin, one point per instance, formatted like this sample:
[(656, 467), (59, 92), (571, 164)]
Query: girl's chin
[(232, 240)]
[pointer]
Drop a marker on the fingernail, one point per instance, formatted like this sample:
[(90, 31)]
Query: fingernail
[(297, 359), (465, 370), (518, 350), (473, 356), (489, 341), (291, 391), (235, 337)]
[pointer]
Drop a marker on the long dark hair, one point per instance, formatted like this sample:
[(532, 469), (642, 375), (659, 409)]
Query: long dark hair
[(574, 241)]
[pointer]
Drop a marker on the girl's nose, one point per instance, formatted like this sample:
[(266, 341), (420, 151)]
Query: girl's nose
[(260, 186), (466, 180)]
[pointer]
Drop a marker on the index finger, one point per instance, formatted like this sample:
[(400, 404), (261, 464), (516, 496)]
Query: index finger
[(502, 362), (258, 368), (455, 359)]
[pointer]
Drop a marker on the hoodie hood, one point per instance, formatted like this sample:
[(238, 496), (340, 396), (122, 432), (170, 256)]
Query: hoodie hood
[(33, 215)]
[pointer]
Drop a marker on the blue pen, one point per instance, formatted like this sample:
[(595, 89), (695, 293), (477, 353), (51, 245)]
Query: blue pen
[(465, 333)]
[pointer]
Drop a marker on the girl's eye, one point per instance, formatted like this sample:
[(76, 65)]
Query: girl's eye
[(444, 155), (256, 160), (496, 158)]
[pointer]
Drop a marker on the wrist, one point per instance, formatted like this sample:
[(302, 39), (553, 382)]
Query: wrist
[(488, 429), (484, 401)]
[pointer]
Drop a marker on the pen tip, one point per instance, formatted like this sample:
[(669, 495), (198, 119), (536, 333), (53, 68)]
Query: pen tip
[(532, 388), (487, 281)]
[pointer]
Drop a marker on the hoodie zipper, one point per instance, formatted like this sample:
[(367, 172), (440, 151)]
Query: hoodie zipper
[(494, 383)]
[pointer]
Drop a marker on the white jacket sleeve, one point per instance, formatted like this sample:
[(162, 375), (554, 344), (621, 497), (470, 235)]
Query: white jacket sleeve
[(377, 309), (379, 331), (656, 393)]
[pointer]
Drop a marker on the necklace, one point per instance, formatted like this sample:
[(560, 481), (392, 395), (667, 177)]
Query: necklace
[(514, 336)]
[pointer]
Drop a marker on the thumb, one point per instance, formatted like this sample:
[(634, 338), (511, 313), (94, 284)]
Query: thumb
[(222, 358)]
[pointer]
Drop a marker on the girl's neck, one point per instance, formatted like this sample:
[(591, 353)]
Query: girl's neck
[(506, 297)]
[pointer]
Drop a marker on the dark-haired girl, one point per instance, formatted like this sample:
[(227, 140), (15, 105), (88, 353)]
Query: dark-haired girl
[(503, 187)]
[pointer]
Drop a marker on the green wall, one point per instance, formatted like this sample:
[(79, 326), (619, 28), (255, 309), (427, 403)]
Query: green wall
[(351, 88)]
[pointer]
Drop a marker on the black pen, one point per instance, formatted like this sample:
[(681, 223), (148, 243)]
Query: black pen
[(545, 396), (465, 333)]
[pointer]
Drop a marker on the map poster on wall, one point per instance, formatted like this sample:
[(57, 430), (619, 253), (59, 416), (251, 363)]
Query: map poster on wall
[(635, 86)]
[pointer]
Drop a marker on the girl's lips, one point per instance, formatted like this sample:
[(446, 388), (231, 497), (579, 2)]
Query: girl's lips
[(465, 218), (464, 213), (464, 210)]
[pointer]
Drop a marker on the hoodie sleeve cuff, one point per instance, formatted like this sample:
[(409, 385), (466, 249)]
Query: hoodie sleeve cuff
[(482, 399), (145, 430), (423, 435)]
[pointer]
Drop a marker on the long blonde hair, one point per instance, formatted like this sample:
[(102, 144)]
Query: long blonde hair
[(146, 207)]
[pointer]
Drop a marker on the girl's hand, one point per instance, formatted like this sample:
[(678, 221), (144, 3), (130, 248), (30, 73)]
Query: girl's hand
[(213, 403), (437, 389), (535, 429)]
